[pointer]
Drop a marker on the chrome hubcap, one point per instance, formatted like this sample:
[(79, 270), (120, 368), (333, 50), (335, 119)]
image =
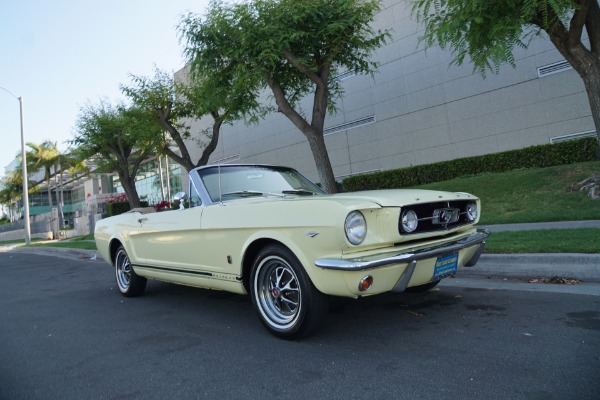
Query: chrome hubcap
[(123, 270), (277, 292)]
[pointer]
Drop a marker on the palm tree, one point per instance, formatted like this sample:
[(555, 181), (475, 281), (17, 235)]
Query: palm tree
[(73, 164), (45, 156)]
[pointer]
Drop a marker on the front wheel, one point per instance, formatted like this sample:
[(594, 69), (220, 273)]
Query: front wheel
[(130, 284), (286, 301)]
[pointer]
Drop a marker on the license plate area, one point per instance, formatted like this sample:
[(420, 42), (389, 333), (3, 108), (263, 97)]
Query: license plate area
[(445, 266)]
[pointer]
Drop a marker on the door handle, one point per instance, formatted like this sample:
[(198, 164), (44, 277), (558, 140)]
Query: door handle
[(142, 220)]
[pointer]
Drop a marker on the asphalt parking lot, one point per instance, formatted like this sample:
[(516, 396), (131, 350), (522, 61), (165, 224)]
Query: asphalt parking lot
[(66, 333)]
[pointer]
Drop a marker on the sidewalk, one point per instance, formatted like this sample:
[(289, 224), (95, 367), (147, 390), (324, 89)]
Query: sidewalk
[(543, 225), (585, 267), (54, 251)]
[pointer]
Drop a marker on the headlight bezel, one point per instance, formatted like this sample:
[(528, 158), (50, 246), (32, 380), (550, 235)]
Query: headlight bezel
[(409, 221), (472, 211), (355, 227)]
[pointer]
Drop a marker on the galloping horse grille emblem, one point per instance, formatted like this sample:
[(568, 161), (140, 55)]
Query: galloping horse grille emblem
[(445, 216)]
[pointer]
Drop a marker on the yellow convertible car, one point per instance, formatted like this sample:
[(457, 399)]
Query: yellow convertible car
[(270, 232)]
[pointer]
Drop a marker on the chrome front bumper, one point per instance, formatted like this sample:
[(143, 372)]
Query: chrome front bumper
[(365, 263)]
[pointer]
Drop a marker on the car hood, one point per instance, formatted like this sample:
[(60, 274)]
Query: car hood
[(370, 198), (401, 197)]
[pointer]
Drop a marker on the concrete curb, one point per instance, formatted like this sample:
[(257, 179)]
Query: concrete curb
[(54, 251), (585, 267)]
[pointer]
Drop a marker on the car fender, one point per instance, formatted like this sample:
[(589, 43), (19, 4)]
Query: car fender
[(299, 246)]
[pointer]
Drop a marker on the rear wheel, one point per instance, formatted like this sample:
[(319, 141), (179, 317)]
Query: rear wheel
[(286, 301), (130, 284)]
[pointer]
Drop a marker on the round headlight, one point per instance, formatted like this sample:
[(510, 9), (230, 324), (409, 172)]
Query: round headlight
[(355, 227), (472, 211), (409, 221)]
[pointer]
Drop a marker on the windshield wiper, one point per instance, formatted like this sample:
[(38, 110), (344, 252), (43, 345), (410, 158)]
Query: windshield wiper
[(299, 192), (247, 193)]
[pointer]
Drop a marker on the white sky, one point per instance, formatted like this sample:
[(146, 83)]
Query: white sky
[(58, 55)]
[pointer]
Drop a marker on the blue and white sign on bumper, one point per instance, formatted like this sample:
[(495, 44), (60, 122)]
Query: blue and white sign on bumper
[(445, 266)]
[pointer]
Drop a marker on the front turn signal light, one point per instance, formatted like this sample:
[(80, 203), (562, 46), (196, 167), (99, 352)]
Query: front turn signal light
[(365, 283)]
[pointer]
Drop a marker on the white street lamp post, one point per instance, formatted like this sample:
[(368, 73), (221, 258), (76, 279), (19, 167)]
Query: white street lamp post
[(24, 169)]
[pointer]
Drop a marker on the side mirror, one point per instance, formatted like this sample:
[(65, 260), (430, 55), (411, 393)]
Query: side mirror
[(179, 199)]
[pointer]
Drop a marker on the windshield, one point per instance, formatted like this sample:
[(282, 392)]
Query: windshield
[(225, 183)]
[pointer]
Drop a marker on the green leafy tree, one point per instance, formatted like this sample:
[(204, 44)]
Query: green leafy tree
[(74, 164), (486, 32), (173, 104), (295, 48), (11, 190), (118, 139)]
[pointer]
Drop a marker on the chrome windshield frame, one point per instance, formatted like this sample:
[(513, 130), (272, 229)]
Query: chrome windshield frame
[(196, 179)]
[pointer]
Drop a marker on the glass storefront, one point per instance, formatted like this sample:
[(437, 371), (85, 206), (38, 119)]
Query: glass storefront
[(148, 182)]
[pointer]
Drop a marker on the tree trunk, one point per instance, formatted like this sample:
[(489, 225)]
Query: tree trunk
[(129, 187), (61, 215), (52, 225), (214, 140), (588, 68), (592, 86), (162, 181), (313, 132), (584, 60), (168, 178), (319, 151), (62, 194), (49, 194), (132, 197), (185, 160)]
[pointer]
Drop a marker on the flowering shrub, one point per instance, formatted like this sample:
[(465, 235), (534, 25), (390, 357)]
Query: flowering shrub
[(117, 204), (163, 205), (117, 198)]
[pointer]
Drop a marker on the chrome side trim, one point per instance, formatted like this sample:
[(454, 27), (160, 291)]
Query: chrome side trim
[(381, 260)]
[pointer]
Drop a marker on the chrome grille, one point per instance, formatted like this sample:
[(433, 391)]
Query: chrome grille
[(437, 216)]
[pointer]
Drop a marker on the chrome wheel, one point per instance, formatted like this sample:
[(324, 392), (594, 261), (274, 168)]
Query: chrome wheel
[(129, 283), (123, 270), (285, 299), (277, 292)]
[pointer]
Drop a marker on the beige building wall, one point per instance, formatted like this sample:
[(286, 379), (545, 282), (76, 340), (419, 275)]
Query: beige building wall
[(418, 109)]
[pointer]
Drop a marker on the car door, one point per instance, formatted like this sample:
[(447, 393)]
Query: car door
[(170, 239)]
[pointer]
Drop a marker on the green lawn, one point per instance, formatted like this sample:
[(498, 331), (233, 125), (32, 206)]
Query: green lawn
[(583, 240), (81, 242), (533, 195), (17, 241)]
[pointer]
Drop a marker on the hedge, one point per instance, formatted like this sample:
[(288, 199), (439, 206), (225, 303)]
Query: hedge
[(120, 207), (546, 155)]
